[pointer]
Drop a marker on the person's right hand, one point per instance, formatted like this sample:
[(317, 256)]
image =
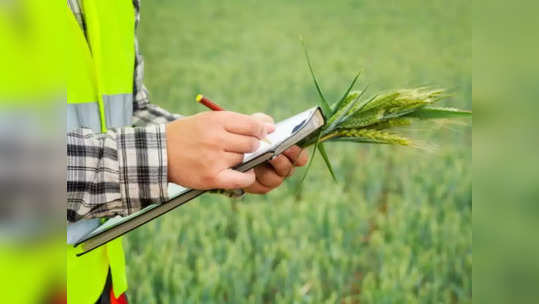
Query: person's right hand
[(202, 148)]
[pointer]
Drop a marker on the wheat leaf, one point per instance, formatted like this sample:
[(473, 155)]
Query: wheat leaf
[(439, 113), (359, 106), (404, 142), (323, 103), (311, 160), (339, 115), (343, 98), (322, 150), (357, 140)]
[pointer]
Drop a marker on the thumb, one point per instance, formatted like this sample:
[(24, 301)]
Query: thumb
[(232, 179)]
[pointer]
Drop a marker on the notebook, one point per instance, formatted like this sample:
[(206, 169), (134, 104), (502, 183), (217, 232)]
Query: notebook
[(287, 133)]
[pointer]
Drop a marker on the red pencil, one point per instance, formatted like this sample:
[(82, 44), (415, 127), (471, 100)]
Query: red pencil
[(214, 107), (208, 103)]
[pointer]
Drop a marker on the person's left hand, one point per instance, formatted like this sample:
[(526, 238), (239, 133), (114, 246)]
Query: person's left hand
[(272, 174)]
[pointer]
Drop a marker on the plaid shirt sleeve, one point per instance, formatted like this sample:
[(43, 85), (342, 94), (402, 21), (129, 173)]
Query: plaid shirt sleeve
[(115, 173)]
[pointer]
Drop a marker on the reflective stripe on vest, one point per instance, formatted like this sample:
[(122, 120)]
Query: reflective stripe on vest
[(99, 96), (118, 113)]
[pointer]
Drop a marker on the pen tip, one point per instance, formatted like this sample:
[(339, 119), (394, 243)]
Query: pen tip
[(199, 97)]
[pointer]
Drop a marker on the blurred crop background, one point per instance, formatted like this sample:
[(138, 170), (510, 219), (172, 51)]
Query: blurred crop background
[(396, 228)]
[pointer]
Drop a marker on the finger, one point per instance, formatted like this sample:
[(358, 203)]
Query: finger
[(267, 176), (292, 153), (232, 159), (263, 117), (257, 188), (240, 143), (282, 165), (245, 125), (302, 159), (291, 172), (268, 120), (232, 179), (270, 127), (298, 156)]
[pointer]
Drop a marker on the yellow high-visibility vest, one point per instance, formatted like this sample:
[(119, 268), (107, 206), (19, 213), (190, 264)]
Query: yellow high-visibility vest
[(99, 96)]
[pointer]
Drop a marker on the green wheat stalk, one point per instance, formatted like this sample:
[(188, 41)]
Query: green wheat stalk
[(374, 120)]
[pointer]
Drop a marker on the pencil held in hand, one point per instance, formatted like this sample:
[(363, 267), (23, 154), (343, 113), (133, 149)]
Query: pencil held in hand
[(214, 107), (208, 103)]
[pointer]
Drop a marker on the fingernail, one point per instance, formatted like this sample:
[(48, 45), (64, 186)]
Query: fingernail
[(269, 127)]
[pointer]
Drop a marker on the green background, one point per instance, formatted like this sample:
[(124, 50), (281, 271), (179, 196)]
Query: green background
[(396, 228)]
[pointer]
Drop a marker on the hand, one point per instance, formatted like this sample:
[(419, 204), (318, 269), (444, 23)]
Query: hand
[(271, 175), (202, 148)]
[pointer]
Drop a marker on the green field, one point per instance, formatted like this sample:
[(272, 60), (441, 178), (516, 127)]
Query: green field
[(396, 228)]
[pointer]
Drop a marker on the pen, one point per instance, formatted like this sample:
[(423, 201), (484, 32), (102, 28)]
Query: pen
[(214, 107)]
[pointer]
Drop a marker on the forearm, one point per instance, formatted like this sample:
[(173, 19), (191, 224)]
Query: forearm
[(115, 173)]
